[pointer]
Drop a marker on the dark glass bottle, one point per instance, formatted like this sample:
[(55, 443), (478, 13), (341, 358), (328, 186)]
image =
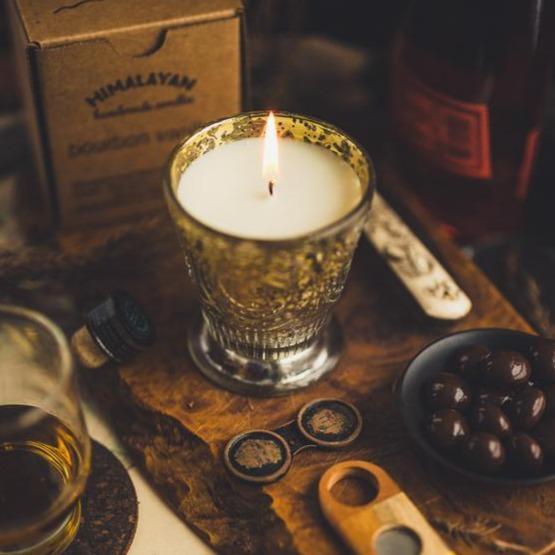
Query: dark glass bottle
[(469, 86)]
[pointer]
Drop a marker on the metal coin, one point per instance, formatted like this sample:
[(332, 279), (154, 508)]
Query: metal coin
[(330, 422), (258, 456)]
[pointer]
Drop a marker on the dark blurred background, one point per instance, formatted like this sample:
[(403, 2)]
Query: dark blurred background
[(333, 60)]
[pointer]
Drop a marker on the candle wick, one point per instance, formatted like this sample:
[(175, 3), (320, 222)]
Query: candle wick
[(271, 187)]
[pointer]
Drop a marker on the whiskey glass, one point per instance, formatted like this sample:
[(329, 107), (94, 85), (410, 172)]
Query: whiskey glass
[(44, 445), (266, 325)]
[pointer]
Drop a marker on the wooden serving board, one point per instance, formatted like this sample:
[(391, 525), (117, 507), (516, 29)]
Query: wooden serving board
[(177, 423)]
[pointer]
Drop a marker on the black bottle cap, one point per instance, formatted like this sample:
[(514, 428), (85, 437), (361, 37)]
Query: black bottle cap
[(120, 326)]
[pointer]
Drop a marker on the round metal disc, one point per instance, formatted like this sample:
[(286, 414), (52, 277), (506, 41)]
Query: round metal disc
[(258, 456), (330, 423)]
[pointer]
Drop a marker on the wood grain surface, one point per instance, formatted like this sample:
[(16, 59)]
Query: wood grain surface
[(177, 423)]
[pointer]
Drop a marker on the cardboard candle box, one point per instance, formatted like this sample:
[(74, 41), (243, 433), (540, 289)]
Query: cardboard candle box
[(109, 88)]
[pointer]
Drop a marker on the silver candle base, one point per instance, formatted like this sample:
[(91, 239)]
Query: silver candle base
[(264, 378)]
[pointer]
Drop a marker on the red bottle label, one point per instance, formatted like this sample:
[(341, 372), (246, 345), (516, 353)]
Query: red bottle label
[(450, 133)]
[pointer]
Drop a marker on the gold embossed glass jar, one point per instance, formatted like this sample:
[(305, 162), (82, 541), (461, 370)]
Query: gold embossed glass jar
[(266, 323)]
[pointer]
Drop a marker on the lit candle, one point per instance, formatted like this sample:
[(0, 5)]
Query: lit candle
[(266, 325), (269, 188)]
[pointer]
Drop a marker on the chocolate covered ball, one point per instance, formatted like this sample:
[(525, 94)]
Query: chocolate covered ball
[(484, 452), (489, 418), (508, 370), (447, 428), (471, 362), (525, 453), (446, 391), (544, 433), (484, 395), (527, 408), (542, 355)]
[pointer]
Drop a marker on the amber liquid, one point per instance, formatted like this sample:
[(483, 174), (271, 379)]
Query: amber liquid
[(40, 462), (494, 53)]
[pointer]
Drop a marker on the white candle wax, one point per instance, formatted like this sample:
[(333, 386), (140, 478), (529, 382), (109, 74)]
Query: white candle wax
[(225, 190)]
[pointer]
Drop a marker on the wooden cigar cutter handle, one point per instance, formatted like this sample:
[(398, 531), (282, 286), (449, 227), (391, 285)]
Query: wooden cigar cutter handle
[(368, 529)]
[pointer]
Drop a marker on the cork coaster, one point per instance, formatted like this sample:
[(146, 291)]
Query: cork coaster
[(109, 508)]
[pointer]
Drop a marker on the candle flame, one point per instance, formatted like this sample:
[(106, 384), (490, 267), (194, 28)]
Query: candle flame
[(270, 155)]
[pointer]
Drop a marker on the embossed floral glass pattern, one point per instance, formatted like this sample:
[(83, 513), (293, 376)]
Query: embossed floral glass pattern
[(265, 299)]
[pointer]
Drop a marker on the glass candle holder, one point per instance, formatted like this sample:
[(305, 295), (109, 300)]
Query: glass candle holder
[(266, 325)]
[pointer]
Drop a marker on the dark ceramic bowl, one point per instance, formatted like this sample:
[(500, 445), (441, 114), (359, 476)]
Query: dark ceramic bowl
[(435, 358)]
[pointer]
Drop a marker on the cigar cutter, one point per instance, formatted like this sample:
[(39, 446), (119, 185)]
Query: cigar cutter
[(264, 456), (390, 523)]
